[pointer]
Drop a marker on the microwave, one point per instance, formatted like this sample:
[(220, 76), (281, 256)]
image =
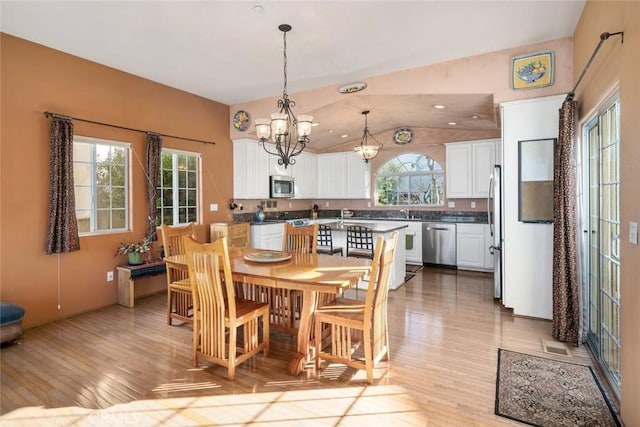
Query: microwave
[(281, 187)]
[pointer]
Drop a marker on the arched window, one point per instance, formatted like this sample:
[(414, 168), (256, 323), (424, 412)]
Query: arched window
[(410, 179)]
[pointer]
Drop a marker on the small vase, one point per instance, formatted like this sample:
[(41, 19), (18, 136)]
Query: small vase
[(135, 258), (259, 216)]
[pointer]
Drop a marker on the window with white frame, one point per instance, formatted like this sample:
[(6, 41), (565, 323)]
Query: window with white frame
[(100, 174), (410, 179), (178, 189)]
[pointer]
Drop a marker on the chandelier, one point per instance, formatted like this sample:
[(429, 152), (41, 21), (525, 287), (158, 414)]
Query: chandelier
[(365, 150), (289, 134)]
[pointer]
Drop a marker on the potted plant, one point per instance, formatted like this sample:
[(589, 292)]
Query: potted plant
[(135, 251)]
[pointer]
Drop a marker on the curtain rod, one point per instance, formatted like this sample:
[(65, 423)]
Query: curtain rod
[(603, 37), (62, 116)]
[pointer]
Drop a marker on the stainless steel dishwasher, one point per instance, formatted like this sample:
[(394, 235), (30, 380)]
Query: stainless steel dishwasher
[(439, 243)]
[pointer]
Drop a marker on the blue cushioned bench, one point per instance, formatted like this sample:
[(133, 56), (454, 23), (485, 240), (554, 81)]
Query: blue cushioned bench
[(127, 274), (11, 316)]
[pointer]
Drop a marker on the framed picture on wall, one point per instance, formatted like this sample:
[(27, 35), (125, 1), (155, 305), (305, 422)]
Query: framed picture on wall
[(532, 71), (535, 172)]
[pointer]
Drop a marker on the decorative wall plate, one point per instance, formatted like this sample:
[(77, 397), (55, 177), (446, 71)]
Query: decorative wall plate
[(353, 87), (241, 120), (403, 136)]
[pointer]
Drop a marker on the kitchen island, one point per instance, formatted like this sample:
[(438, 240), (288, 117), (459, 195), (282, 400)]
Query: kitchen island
[(384, 228)]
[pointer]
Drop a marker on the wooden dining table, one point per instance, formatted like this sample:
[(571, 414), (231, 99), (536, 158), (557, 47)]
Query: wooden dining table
[(310, 274)]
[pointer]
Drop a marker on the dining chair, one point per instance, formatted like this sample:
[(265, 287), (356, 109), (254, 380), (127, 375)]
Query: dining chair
[(218, 313), (325, 241), (359, 241), (355, 323), (286, 305), (302, 240), (179, 297)]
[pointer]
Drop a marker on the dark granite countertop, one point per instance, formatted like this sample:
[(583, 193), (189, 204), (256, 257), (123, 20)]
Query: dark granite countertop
[(375, 227)]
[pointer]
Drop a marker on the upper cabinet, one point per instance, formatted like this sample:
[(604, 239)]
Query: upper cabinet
[(250, 170), (304, 173), (468, 166), (252, 166), (343, 176)]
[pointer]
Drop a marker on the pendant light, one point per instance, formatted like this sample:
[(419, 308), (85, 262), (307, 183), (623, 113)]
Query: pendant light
[(365, 150), (289, 133)]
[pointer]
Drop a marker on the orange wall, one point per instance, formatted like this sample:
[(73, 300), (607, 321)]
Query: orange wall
[(618, 63), (35, 79)]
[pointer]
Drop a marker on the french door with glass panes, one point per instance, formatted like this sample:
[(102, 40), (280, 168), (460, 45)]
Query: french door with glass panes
[(602, 173)]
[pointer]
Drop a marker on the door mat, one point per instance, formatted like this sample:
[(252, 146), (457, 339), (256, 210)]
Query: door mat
[(544, 392), (411, 271)]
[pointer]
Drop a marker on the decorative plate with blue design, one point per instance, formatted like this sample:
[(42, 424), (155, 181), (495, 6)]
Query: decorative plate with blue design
[(241, 120)]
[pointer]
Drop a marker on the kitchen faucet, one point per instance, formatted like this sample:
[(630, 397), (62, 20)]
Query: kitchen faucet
[(405, 212), (342, 215)]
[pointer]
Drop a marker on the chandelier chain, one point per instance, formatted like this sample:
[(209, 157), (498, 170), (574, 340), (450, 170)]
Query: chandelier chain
[(284, 54)]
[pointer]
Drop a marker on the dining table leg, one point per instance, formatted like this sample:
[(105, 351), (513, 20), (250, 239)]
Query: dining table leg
[(297, 364)]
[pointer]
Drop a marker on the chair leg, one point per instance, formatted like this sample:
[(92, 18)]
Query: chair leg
[(233, 333), (265, 334), (169, 304), (317, 342), (195, 341), (368, 356)]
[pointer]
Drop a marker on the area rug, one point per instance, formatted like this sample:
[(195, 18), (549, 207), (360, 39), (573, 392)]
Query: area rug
[(411, 271), (549, 393)]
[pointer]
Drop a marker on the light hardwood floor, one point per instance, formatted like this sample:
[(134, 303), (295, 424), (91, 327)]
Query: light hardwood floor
[(126, 366)]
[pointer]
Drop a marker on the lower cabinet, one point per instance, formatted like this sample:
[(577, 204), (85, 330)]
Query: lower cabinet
[(472, 247), (413, 243), (267, 236)]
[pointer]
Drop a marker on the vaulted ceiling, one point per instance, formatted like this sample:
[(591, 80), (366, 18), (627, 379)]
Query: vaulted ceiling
[(231, 51)]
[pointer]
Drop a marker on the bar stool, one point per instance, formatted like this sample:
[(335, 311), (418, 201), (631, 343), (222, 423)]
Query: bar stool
[(359, 241), (325, 241)]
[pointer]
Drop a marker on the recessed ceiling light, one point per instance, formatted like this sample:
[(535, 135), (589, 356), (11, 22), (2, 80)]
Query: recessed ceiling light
[(475, 116), (344, 136), (452, 123), (330, 130), (258, 8), (439, 107)]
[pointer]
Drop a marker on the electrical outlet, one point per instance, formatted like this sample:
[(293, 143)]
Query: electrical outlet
[(473, 205), (633, 232), (452, 204), (290, 204), (368, 204), (109, 276), (326, 204), (213, 207)]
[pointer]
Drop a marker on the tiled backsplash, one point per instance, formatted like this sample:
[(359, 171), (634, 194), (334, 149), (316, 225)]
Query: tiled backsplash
[(418, 215)]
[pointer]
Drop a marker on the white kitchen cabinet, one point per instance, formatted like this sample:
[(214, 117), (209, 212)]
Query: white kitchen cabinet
[(332, 175), (304, 173), (468, 166), (458, 170), (250, 170), (343, 176), (472, 247), (358, 177), (483, 160), (413, 244), (267, 236)]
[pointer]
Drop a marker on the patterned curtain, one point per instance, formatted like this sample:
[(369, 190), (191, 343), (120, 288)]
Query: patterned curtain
[(154, 148), (62, 232), (566, 289)]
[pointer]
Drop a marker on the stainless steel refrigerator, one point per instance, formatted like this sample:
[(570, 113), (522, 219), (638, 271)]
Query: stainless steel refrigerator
[(495, 224)]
